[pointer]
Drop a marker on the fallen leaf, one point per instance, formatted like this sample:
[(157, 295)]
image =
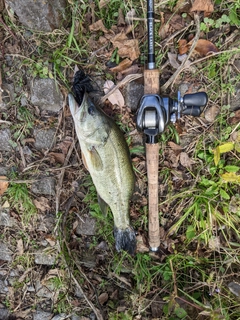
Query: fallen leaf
[(185, 160), (126, 48), (58, 157), (126, 63), (103, 3), (204, 47), (42, 204), (234, 287), (211, 113), (203, 5), (236, 118), (3, 184), (169, 24), (98, 26), (51, 240), (0, 88), (20, 247), (141, 246), (214, 243), (130, 15), (65, 144), (182, 6), (177, 22), (103, 298), (164, 31), (121, 20), (116, 97), (173, 60), (175, 147), (182, 46)]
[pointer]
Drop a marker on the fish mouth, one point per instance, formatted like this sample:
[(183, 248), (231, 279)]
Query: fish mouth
[(77, 110), (73, 105)]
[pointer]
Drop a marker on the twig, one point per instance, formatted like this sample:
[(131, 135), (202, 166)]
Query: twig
[(7, 28), (183, 65), (211, 55), (127, 79), (4, 121)]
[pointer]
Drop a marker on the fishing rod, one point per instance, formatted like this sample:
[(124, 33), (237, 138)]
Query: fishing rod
[(154, 114)]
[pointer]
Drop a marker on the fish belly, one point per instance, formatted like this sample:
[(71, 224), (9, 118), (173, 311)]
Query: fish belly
[(112, 175)]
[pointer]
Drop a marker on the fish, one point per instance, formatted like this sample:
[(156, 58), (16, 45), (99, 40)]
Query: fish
[(106, 156)]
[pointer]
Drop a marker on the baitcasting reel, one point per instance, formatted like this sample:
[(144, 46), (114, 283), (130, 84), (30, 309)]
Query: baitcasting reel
[(156, 112)]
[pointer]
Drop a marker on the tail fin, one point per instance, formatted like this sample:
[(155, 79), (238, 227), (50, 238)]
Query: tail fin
[(125, 239)]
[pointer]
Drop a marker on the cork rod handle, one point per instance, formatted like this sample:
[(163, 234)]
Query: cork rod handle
[(151, 86)]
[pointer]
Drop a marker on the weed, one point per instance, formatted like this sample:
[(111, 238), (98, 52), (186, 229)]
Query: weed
[(26, 261), (19, 198), (22, 129)]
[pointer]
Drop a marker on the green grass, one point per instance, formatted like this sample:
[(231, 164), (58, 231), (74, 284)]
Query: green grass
[(19, 199)]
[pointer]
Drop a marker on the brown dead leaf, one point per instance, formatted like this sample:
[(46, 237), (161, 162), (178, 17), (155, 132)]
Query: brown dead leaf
[(121, 20), (182, 46), (141, 246), (126, 48), (129, 49), (236, 118), (42, 204), (203, 5), (177, 22), (172, 57), (0, 88), (126, 63), (3, 184), (182, 6), (57, 157), (65, 144), (130, 15), (103, 3), (20, 249), (169, 24), (204, 47), (165, 30), (116, 97), (172, 158), (51, 240), (175, 147), (185, 160), (103, 298), (98, 26)]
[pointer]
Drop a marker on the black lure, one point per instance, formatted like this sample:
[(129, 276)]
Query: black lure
[(81, 84)]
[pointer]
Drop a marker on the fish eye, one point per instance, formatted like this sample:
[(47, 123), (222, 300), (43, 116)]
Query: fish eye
[(91, 110)]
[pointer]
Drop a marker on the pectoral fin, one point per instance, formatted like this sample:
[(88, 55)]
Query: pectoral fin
[(103, 205), (84, 161), (96, 159)]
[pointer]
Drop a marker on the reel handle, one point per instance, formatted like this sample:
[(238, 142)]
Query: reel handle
[(195, 99)]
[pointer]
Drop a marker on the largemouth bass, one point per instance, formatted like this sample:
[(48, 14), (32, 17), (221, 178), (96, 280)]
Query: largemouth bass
[(106, 156)]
